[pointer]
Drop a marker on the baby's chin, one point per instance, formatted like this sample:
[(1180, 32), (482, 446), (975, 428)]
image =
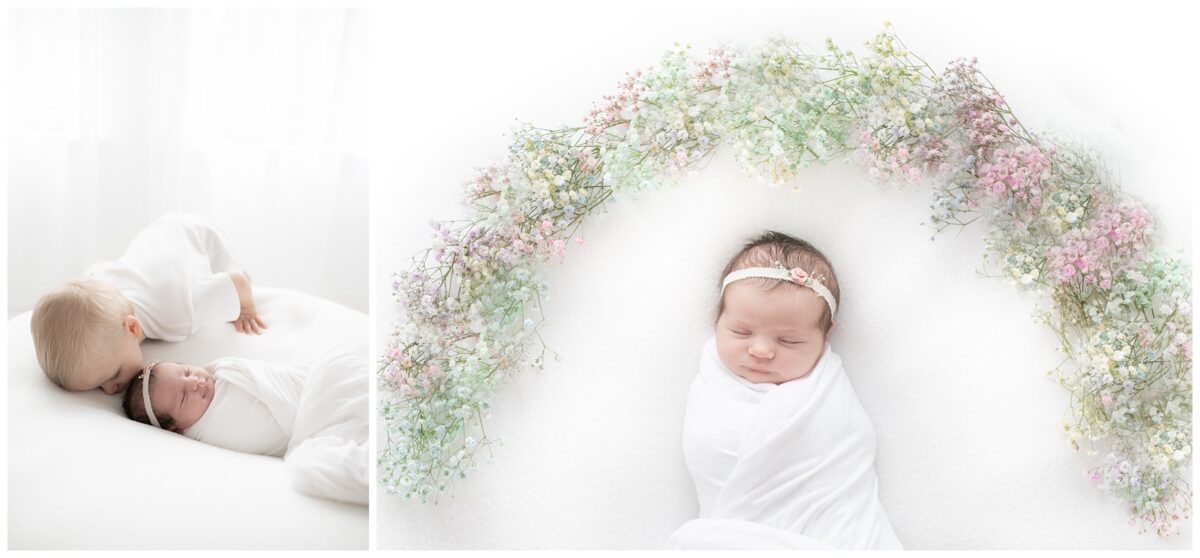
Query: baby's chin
[(756, 378)]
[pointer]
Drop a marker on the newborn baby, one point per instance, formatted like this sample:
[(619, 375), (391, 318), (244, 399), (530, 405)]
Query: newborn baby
[(179, 394), (780, 449), (313, 414), (220, 403)]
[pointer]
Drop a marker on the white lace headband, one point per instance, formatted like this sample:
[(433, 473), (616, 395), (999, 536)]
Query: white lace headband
[(146, 392), (794, 275)]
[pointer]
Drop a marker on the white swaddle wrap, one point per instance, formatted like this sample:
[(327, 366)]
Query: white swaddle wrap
[(313, 414), (784, 466), (253, 407)]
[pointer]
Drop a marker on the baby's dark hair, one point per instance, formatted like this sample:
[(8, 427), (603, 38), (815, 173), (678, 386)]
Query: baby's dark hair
[(135, 407), (771, 247)]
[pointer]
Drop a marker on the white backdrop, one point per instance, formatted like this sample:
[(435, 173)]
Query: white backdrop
[(256, 119), (947, 362)]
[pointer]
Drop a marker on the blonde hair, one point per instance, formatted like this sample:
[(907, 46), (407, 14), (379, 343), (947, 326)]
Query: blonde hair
[(75, 325), (771, 247)]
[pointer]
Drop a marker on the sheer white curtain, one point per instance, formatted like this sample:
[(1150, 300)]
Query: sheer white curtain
[(253, 118)]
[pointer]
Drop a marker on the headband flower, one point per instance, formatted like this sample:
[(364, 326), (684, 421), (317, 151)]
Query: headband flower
[(799, 276)]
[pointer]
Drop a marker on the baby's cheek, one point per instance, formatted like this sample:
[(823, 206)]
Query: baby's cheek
[(727, 351)]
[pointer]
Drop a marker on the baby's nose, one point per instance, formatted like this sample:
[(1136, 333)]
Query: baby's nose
[(760, 351)]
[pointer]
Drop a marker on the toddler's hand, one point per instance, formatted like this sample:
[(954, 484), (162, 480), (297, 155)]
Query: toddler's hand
[(248, 321)]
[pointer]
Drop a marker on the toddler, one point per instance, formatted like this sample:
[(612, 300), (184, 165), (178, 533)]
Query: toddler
[(780, 450), (312, 414), (177, 275)]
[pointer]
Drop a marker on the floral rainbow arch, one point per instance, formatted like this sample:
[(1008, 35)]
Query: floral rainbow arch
[(1058, 224)]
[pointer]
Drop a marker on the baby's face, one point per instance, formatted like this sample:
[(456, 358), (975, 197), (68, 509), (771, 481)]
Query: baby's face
[(770, 336), (181, 391)]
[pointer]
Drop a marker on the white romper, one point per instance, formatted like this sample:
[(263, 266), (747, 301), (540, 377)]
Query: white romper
[(174, 274)]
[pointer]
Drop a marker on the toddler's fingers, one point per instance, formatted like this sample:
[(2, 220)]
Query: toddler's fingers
[(261, 323), (237, 324)]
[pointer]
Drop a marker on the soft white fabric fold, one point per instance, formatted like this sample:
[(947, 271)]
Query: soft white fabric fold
[(781, 466), (328, 456)]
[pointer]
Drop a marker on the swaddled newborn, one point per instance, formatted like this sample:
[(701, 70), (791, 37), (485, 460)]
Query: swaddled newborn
[(779, 447), (313, 414), (237, 404)]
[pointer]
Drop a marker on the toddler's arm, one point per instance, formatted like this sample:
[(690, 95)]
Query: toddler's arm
[(247, 321)]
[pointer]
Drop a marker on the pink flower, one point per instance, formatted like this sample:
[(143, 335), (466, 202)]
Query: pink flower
[(799, 276), (1014, 172), (680, 159), (1113, 238)]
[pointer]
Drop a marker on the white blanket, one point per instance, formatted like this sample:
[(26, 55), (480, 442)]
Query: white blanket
[(328, 455), (314, 415), (787, 466)]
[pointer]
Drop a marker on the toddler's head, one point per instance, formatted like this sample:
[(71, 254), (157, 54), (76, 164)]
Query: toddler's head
[(86, 336), (179, 394), (776, 309)]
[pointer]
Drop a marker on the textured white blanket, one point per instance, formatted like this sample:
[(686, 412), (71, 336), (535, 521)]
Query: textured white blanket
[(314, 415), (781, 466), (328, 455)]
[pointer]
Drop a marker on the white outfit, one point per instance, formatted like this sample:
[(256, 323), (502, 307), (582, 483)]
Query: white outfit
[(788, 466), (314, 415), (253, 407), (173, 272)]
